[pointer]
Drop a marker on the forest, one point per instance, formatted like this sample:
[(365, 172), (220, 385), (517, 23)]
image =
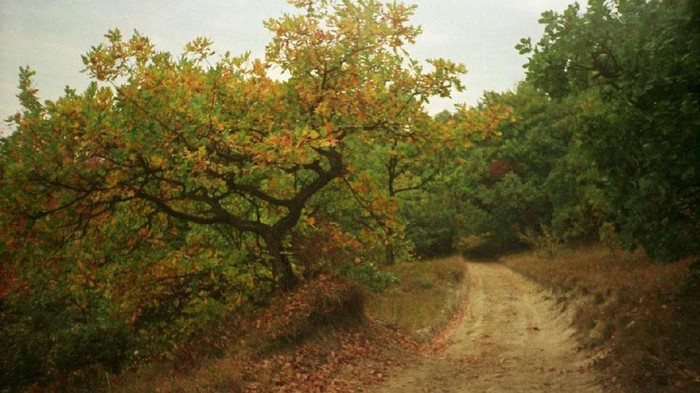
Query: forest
[(179, 190)]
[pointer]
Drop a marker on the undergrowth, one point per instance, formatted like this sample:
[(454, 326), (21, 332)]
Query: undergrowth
[(643, 315), (424, 299), (314, 339), (302, 341)]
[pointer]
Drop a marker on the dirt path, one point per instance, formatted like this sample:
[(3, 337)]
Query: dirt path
[(511, 339)]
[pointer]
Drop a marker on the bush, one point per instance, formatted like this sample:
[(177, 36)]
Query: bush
[(47, 338), (369, 275)]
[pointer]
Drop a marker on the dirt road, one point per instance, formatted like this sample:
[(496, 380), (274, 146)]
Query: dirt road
[(511, 339)]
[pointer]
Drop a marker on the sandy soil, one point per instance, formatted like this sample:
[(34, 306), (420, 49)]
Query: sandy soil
[(511, 338)]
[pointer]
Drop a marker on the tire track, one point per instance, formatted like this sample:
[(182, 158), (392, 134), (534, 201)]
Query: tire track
[(511, 339)]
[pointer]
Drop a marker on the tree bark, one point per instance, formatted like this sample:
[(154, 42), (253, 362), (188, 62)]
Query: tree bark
[(281, 267), (390, 259), (389, 256)]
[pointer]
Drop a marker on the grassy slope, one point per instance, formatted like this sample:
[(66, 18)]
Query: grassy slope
[(645, 313), (422, 304), (316, 339)]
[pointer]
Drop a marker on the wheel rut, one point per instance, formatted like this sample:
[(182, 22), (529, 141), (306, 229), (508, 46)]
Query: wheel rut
[(511, 339)]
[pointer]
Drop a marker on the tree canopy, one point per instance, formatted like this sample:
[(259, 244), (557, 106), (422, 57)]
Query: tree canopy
[(168, 193), (219, 141), (631, 67), (178, 190)]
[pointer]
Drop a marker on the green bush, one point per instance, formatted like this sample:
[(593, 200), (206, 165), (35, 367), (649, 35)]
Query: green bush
[(369, 275)]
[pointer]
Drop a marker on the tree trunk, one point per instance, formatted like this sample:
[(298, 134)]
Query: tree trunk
[(389, 257), (393, 171), (281, 267)]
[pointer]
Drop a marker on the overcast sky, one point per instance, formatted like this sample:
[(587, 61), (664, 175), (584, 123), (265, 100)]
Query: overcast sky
[(51, 35)]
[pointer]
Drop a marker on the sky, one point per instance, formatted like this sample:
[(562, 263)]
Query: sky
[(51, 35)]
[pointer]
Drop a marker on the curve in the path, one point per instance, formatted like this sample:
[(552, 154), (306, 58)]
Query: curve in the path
[(511, 339)]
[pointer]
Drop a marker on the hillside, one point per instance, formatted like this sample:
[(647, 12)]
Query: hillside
[(640, 314), (596, 322)]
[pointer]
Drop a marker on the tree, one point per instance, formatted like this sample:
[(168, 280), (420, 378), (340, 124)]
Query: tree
[(632, 67), (221, 143), (165, 195), (435, 210)]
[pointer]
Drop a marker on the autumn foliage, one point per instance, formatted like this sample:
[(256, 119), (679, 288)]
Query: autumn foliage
[(179, 189)]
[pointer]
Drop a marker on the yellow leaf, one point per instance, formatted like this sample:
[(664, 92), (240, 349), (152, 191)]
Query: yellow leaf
[(311, 221), (157, 161)]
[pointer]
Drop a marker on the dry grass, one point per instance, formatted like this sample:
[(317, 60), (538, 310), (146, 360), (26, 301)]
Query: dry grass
[(424, 300), (636, 308)]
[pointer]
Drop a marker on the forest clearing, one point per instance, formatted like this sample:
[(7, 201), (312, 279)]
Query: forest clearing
[(300, 221)]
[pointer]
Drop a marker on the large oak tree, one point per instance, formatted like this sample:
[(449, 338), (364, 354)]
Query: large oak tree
[(219, 140)]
